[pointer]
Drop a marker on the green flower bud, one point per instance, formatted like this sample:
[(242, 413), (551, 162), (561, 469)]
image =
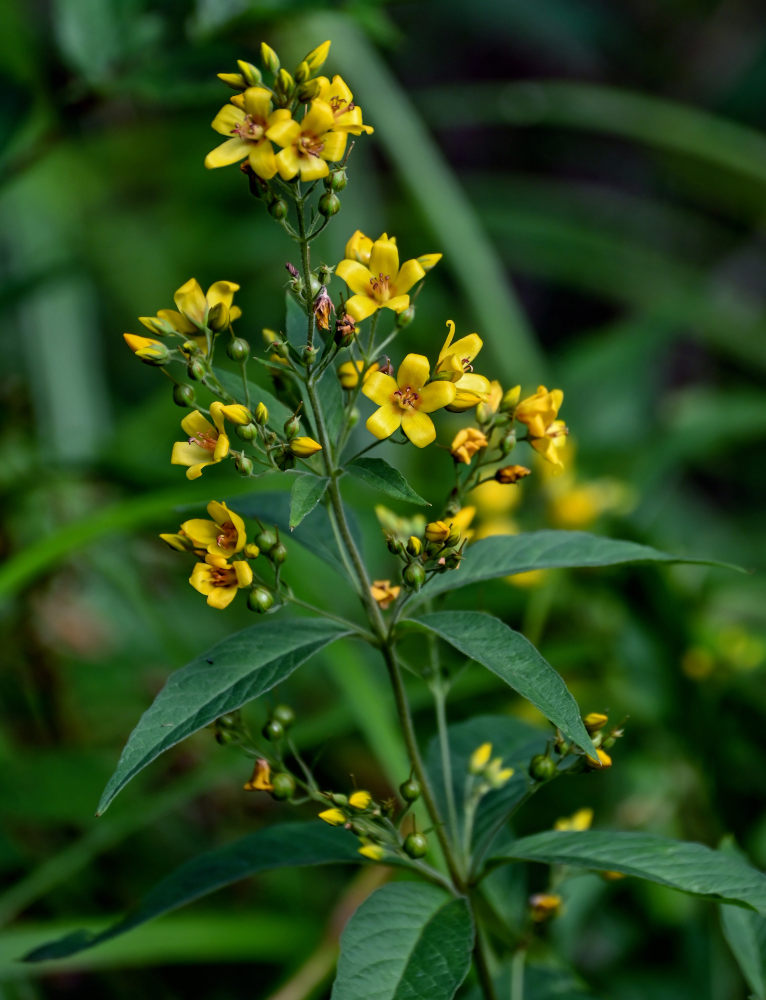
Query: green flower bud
[(277, 554), (283, 786), (251, 73), (278, 209), (336, 180), (410, 790), (260, 600), (309, 355), (238, 349), (261, 414), (273, 731), (246, 432), (414, 545), (284, 83), (308, 91), (292, 426), (183, 395), (266, 539), (196, 370), (329, 204), (269, 58), (284, 714), (414, 576), (243, 465), (302, 72), (405, 317), (541, 767), (415, 845)]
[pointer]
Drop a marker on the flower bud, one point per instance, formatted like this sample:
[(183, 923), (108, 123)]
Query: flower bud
[(266, 539), (410, 790), (284, 786), (302, 72), (292, 426), (604, 760), (195, 370), (284, 714), (183, 395), (329, 204), (414, 545), (510, 399), (238, 349), (251, 73), (595, 721), (284, 83), (438, 532), (415, 845), (317, 57), (243, 465), (541, 767), (544, 905), (260, 600), (360, 800), (336, 180), (511, 473), (261, 414), (405, 317), (284, 460), (278, 209), (309, 354), (414, 576), (308, 91), (335, 817), (151, 352), (234, 80), (246, 432), (394, 545), (277, 554), (479, 758), (304, 447), (269, 58), (273, 731), (345, 332), (251, 551)]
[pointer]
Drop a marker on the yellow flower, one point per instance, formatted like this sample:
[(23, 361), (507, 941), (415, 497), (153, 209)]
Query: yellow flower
[(247, 120), (604, 760), (196, 309), (407, 400), (261, 779), (480, 758), (335, 817), (594, 721), (223, 536), (347, 115), (154, 352), (349, 372), (371, 850), (207, 442), (455, 361), (581, 820), (220, 580), (304, 447), (359, 247), (496, 775), (466, 443), (179, 541), (380, 282), (384, 593), (539, 413), (511, 474), (544, 905), (359, 800), (489, 406), (308, 146)]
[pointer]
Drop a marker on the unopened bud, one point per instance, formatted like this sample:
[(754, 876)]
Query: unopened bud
[(243, 465), (302, 72), (284, 714), (510, 399), (317, 57), (196, 370), (278, 209), (511, 473), (508, 443), (251, 551), (246, 432), (329, 204), (251, 73), (277, 554), (260, 600), (414, 545), (284, 83), (405, 317), (309, 354), (595, 721), (410, 790), (414, 576), (261, 414), (238, 349), (283, 786), (308, 91), (292, 426), (415, 845), (183, 395), (234, 80), (604, 760), (336, 180), (304, 447), (269, 58), (542, 768)]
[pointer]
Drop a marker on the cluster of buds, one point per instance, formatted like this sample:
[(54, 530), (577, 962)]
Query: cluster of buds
[(545, 766), (488, 771), (438, 549), (225, 555), (376, 824)]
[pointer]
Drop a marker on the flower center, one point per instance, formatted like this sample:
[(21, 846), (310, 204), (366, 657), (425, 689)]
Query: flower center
[(381, 287), (249, 129), (222, 576), (205, 439), (310, 145), (467, 366), (227, 539), (405, 396), (339, 106)]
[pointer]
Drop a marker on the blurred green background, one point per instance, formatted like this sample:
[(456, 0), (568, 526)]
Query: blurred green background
[(596, 177)]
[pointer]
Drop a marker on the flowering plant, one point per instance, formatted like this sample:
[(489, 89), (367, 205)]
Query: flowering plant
[(446, 829)]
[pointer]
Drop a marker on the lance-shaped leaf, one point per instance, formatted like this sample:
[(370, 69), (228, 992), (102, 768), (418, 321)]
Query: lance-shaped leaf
[(689, 867), (408, 940), (292, 845), (384, 478), (306, 493), (236, 670), (514, 659), (745, 932), (505, 555)]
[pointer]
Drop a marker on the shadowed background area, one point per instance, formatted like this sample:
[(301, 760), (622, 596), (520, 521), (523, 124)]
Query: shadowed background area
[(595, 175)]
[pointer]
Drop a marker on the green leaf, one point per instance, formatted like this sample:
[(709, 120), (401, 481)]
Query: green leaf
[(514, 659), (331, 397), (745, 932), (293, 845), (505, 555), (689, 867), (296, 322), (232, 383), (384, 478), (306, 493), (236, 670), (407, 941)]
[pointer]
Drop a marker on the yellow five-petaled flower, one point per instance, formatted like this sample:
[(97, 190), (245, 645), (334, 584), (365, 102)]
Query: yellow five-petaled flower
[(407, 400), (219, 580), (455, 361), (539, 412), (224, 536), (207, 443), (246, 120)]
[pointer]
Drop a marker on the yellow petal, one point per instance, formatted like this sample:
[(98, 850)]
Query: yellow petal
[(359, 247), (221, 597), (379, 388), (244, 573), (313, 167), (399, 303), (435, 395), (217, 412), (429, 260), (283, 132), (227, 119), (190, 300), (189, 454), (418, 427), (201, 578), (413, 371), (258, 103), (361, 306), (384, 258), (318, 119), (356, 276), (334, 146), (179, 323), (466, 348), (195, 424), (221, 448), (263, 160), (221, 291), (201, 531), (384, 421), (288, 163), (410, 272)]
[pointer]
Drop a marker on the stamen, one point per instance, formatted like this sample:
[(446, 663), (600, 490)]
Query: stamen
[(406, 396)]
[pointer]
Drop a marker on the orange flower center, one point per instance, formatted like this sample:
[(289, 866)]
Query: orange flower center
[(222, 576), (310, 145), (227, 539), (381, 286), (250, 130), (406, 397), (206, 440)]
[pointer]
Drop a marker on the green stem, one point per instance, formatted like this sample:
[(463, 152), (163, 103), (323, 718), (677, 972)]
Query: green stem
[(517, 974), (481, 958), (351, 626), (440, 704)]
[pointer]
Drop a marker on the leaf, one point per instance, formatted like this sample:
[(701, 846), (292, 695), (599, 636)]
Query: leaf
[(407, 941), (513, 740), (236, 670), (745, 932), (306, 493), (296, 322), (506, 555), (516, 661), (293, 845), (384, 478), (689, 867), (331, 397)]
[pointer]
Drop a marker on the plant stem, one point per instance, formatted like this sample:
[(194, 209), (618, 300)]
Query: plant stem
[(481, 958), (440, 699), (517, 974)]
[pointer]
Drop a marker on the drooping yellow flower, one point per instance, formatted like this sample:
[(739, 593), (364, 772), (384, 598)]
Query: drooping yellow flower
[(261, 778), (512, 474), (466, 443), (604, 760), (407, 400), (581, 820), (349, 372), (224, 536), (219, 580), (455, 361), (335, 817), (359, 247), (196, 309), (347, 114), (379, 283), (207, 442), (488, 407), (384, 593), (539, 413), (246, 120), (371, 850), (309, 145)]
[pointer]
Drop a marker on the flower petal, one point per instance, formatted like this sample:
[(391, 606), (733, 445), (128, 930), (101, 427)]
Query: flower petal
[(384, 258), (179, 323), (384, 421), (283, 132), (288, 163), (244, 573), (258, 103), (231, 151), (227, 119), (399, 303), (318, 119), (221, 291), (435, 395), (413, 371), (379, 388), (195, 424), (356, 276), (334, 146), (185, 453), (221, 597), (361, 306), (201, 531), (410, 272), (262, 159), (418, 427), (313, 167), (190, 300), (466, 348), (221, 448)]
